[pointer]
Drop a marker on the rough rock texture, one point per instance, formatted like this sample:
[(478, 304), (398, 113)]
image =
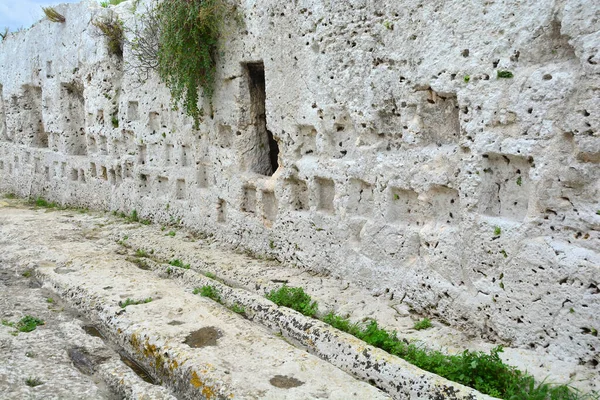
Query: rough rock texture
[(405, 162)]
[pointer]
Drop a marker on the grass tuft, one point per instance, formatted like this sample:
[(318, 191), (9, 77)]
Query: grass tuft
[(294, 298), (33, 382), (179, 264), (504, 74), (131, 302), (111, 28), (425, 323), (53, 15), (209, 291)]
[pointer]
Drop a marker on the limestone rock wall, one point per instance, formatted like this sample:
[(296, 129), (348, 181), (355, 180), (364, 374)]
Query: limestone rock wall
[(404, 162)]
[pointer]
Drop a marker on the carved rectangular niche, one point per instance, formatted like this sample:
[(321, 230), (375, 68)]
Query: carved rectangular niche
[(261, 149), (360, 197), (249, 200), (404, 207), (505, 186), (269, 205), (180, 192), (298, 194), (325, 191)]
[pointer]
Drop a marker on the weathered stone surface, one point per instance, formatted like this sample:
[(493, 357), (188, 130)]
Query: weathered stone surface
[(240, 364), (394, 169)]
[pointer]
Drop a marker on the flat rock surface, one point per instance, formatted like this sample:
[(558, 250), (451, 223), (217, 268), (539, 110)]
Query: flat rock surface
[(193, 342)]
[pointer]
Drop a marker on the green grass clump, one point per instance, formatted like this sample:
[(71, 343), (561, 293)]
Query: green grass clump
[(486, 373), (209, 291), (10, 196), (171, 233), (141, 253), (425, 323), (238, 309), (25, 324), (41, 202), (497, 231), (33, 382), (504, 74), (179, 264), (210, 275), (294, 298), (131, 302), (185, 25)]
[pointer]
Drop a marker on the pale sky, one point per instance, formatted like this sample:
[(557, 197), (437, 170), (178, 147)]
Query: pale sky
[(23, 13)]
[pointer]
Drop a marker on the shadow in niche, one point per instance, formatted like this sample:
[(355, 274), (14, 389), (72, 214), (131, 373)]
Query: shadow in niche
[(266, 151)]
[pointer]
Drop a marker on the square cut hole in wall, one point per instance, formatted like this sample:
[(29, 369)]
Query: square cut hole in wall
[(445, 204), (325, 191), (142, 155), (221, 211), (201, 175), (169, 153), (264, 154), (183, 160), (298, 194), (269, 205), (404, 207), (360, 197), (505, 186), (103, 173), (113, 176), (92, 145), (153, 121), (143, 184), (127, 169), (132, 111), (180, 193), (74, 176), (307, 141), (119, 174), (162, 186), (93, 172), (82, 178), (249, 200)]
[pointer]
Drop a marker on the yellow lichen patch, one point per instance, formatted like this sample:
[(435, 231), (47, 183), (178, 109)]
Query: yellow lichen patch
[(195, 381), (208, 392), (135, 341)]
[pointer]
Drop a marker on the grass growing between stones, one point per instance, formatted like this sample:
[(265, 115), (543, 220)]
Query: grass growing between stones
[(131, 302), (294, 298), (425, 323), (486, 373), (179, 264), (25, 324), (41, 202), (209, 291)]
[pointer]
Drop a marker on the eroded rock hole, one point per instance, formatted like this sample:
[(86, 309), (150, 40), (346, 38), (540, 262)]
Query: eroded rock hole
[(203, 337), (266, 150), (285, 382)]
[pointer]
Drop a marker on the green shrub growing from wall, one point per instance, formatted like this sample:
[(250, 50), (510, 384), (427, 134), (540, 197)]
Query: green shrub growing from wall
[(189, 30)]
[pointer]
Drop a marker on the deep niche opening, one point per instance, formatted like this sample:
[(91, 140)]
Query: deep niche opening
[(265, 158)]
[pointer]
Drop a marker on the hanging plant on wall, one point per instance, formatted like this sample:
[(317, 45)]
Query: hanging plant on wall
[(189, 30)]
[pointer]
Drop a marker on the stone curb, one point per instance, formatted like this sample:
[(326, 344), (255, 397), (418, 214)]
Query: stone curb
[(389, 373), (171, 363)]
